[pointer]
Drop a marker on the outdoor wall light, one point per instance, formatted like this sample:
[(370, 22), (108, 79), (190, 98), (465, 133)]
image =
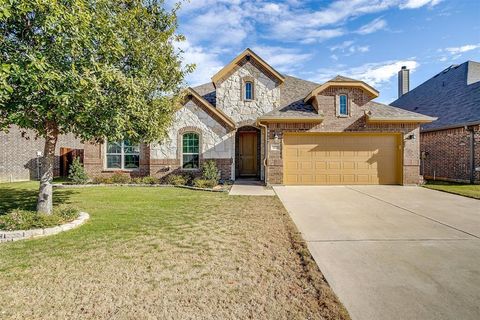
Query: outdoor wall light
[(412, 137), (276, 139)]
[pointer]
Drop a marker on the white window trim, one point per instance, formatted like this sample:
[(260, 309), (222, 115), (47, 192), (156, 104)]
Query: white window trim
[(122, 155), (182, 153)]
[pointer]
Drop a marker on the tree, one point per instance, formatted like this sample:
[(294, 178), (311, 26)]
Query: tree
[(100, 69)]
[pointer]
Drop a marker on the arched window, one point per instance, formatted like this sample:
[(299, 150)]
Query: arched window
[(343, 107), (190, 150), (248, 90)]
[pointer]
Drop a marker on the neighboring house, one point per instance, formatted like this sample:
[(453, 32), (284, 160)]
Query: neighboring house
[(19, 154), (256, 122), (451, 145)]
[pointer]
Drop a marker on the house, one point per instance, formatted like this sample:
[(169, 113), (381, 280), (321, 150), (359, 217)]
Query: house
[(450, 146), (255, 122), (20, 153)]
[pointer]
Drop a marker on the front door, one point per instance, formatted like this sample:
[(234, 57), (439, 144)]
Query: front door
[(248, 153)]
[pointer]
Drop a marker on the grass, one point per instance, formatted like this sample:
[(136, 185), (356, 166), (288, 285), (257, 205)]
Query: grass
[(467, 190), (163, 253)]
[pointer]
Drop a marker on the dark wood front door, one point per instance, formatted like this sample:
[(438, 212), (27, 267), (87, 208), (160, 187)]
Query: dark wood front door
[(248, 153)]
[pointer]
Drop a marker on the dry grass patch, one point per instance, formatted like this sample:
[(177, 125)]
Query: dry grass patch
[(163, 253)]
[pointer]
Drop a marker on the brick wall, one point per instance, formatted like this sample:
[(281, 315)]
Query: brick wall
[(94, 162), (327, 104), (448, 154), (18, 155)]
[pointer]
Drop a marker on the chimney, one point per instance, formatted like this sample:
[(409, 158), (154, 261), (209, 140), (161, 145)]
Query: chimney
[(403, 81)]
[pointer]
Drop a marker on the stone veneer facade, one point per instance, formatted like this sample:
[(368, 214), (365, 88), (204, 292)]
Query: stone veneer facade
[(218, 141)]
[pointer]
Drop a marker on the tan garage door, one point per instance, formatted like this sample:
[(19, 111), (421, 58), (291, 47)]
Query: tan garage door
[(316, 159)]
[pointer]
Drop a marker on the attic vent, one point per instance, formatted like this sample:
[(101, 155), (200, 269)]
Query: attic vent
[(248, 57)]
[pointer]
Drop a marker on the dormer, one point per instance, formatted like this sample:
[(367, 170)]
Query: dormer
[(341, 93), (247, 87)]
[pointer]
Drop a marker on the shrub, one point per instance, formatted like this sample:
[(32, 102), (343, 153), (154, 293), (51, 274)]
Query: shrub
[(77, 173), (204, 183), (120, 178), (150, 180), (210, 171), (25, 220), (176, 180), (102, 180)]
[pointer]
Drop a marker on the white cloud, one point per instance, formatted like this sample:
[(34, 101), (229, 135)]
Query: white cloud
[(414, 4), (462, 49), (372, 73), (348, 48), (207, 63), (373, 26), (286, 60)]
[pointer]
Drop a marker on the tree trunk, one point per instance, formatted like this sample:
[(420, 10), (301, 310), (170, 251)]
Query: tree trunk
[(45, 194)]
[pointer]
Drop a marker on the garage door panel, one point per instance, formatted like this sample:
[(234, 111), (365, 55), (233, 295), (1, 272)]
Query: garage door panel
[(341, 159)]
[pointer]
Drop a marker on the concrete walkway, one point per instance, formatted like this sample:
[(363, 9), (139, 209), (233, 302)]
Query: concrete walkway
[(250, 188), (392, 252)]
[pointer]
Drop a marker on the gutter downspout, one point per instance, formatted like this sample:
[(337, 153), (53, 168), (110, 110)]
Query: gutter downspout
[(265, 157), (472, 154)]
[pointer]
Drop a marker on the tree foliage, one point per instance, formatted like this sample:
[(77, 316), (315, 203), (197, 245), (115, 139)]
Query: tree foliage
[(96, 68), (100, 69)]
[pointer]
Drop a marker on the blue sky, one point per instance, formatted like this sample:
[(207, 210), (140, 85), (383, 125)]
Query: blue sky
[(315, 40)]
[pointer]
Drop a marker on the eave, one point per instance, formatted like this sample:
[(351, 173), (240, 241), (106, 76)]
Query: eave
[(289, 120), (371, 119), (209, 107), (248, 52)]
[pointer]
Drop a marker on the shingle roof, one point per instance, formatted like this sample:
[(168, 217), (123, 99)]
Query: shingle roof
[(453, 96), (292, 105), (379, 111), (292, 93)]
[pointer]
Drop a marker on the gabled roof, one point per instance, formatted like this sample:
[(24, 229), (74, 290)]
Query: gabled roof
[(453, 96), (207, 106), (245, 54), (341, 81)]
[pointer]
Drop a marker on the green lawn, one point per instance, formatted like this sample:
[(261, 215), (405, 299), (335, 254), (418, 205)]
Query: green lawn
[(467, 190), (162, 253)]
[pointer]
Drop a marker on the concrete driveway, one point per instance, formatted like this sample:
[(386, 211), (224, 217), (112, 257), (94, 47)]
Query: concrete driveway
[(392, 252)]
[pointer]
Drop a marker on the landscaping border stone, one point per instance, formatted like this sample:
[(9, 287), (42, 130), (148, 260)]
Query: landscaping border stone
[(7, 236), (75, 186)]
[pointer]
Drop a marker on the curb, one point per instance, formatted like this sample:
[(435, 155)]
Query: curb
[(8, 236)]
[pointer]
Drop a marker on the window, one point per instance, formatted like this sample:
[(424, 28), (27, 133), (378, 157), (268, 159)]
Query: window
[(248, 90), (191, 151), (343, 108), (123, 155)]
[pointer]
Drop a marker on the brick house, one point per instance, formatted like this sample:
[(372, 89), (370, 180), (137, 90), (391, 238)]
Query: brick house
[(256, 122), (450, 146), (19, 154)]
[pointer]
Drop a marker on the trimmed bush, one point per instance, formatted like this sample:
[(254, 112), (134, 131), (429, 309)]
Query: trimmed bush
[(25, 220), (120, 178), (150, 180), (204, 183), (76, 173), (101, 180), (210, 171), (176, 180)]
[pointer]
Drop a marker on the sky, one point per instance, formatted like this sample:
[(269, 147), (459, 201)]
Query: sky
[(367, 40)]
